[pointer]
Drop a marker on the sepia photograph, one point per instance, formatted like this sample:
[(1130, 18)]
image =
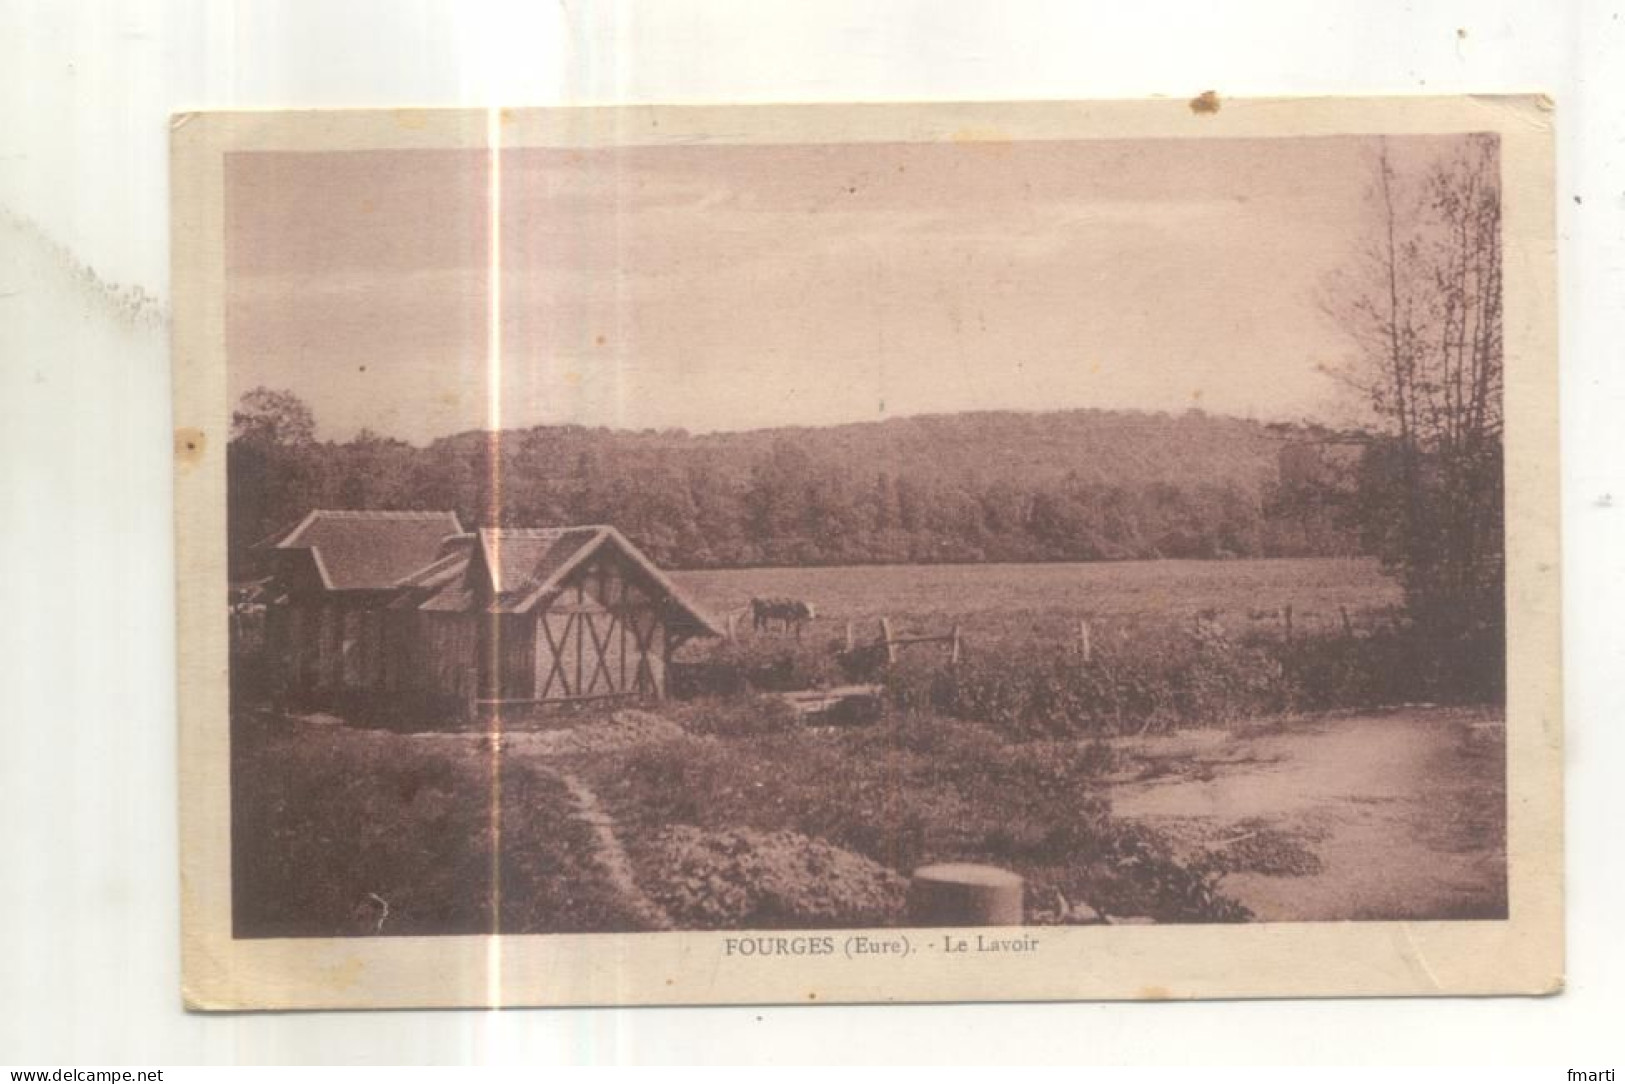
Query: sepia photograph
[(937, 533), (776, 538)]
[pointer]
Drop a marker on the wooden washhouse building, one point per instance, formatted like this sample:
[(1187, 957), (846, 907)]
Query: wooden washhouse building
[(409, 608)]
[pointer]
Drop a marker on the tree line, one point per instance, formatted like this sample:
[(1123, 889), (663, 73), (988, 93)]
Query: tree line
[(822, 497)]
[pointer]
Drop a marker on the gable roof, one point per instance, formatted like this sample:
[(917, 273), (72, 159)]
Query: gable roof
[(524, 561), (371, 550), (427, 556), (524, 565)]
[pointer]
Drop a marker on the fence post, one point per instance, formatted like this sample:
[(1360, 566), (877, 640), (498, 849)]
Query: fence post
[(1288, 615), (733, 630), (953, 651), (885, 638), (849, 641), (1085, 648)]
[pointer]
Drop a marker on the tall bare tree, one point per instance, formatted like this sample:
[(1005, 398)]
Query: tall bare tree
[(1422, 305)]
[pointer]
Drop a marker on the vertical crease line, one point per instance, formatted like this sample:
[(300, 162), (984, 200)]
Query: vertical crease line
[(493, 424)]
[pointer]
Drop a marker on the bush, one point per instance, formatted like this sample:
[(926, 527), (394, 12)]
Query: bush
[(743, 879), (1136, 873), (762, 664)]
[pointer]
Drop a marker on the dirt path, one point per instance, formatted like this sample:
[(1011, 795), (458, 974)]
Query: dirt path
[(612, 858), (544, 749), (1388, 816)]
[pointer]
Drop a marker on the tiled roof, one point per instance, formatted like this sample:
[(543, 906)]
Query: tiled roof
[(447, 568), (359, 550), (452, 598), (524, 560)]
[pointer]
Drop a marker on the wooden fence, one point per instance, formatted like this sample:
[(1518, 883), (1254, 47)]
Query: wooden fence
[(889, 641)]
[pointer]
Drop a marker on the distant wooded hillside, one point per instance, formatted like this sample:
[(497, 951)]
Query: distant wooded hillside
[(1073, 485)]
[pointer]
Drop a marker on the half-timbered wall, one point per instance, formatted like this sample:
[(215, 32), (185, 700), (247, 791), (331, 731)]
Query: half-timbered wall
[(602, 635)]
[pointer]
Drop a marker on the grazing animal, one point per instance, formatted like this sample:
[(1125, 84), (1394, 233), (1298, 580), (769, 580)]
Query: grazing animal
[(789, 613)]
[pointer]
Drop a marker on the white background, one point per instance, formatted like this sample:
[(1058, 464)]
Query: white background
[(88, 912)]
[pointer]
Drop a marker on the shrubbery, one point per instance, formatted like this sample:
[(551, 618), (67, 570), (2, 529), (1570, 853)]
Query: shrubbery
[(341, 832), (1395, 665), (1149, 684), (910, 790), (1176, 679), (737, 878), (758, 664)]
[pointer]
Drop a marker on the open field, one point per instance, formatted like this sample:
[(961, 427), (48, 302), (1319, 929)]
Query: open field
[(1046, 600)]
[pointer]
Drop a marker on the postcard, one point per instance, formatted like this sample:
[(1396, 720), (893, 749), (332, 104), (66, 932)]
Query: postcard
[(868, 553)]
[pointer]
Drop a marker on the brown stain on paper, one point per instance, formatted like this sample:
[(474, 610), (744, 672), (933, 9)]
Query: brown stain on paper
[(984, 136), (1206, 103), (343, 975), (189, 444)]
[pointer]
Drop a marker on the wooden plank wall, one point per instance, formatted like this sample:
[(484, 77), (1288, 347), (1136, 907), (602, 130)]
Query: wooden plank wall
[(515, 649), (449, 659)]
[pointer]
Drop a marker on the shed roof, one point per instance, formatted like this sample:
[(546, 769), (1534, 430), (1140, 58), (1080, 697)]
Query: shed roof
[(371, 550)]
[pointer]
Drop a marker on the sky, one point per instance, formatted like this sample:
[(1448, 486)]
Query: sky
[(739, 287)]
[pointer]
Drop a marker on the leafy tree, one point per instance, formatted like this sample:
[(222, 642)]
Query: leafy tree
[(1422, 306), (272, 478), (267, 416)]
